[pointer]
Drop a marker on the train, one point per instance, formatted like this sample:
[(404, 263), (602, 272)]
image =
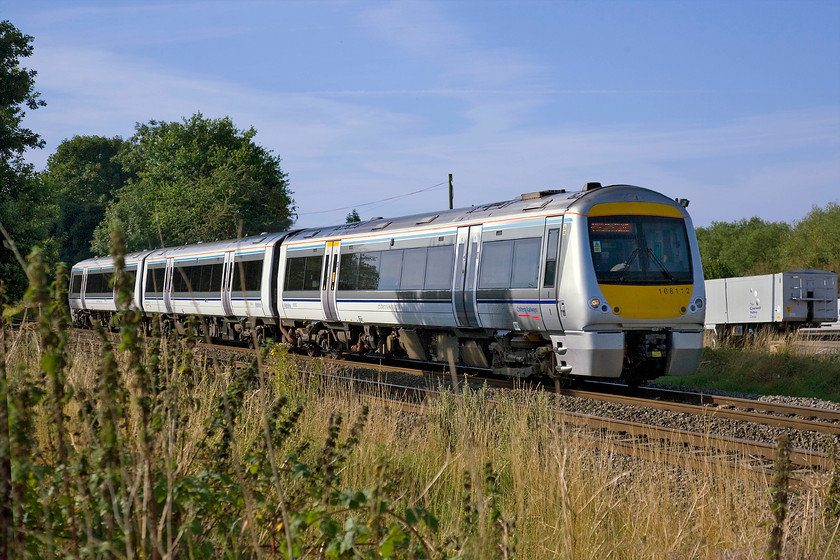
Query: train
[(604, 282)]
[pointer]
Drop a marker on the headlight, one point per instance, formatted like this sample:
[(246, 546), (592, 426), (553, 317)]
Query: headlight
[(699, 303), (594, 303)]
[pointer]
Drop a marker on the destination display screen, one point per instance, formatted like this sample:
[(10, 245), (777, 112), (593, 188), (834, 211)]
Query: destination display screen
[(612, 227)]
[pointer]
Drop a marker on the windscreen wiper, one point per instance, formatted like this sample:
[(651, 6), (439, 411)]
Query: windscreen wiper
[(662, 266), (628, 262)]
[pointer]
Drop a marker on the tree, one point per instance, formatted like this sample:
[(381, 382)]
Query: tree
[(815, 240), (83, 176), (195, 180), (742, 248), (24, 211), (353, 217)]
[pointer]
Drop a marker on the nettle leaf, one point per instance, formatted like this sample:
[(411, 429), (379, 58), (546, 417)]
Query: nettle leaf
[(329, 527), (352, 499), (348, 542), (50, 363), (415, 515), (396, 536), (300, 470), (311, 517)]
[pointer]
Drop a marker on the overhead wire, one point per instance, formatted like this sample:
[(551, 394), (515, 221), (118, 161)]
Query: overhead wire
[(389, 199)]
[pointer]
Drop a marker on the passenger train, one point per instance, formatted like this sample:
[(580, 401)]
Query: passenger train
[(604, 282)]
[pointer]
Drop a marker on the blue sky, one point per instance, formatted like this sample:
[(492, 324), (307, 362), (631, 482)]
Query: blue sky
[(734, 105)]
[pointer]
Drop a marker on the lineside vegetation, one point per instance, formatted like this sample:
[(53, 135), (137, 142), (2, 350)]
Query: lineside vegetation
[(147, 450), (768, 364)]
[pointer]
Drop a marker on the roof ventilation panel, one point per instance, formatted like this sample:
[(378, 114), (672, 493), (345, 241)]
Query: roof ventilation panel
[(591, 187), (540, 194)]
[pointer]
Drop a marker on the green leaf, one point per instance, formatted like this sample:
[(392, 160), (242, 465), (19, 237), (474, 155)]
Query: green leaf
[(396, 536)]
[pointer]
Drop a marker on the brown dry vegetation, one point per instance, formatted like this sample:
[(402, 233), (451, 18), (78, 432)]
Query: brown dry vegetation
[(149, 451), (547, 494)]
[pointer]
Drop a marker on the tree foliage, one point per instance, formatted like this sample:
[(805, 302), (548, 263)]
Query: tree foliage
[(196, 180), (742, 248), (748, 247), (24, 211), (82, 176), (815, 241), (353, 217), (17, 92)]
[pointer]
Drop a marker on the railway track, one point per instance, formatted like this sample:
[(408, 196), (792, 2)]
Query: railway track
[(633, 438), (811, 419), (808, 419), (682, 448)]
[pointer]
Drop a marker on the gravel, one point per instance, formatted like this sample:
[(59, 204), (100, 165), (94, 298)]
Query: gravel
[(682, 421)]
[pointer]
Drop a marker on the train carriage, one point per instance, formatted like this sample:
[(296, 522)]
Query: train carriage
[(228, 283), (91, 291), (603, 282)]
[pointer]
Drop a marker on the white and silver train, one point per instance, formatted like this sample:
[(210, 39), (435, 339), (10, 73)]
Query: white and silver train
[(604, 282)]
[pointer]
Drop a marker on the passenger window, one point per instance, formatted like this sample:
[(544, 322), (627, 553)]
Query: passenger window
[(295, 270), (98, 284), (216, 277), (205, 278), (76, 283), (303, 273), (496, 258), (526, 263), (131, 272), (154, 282), (413, 269), (248, 275), (439, 265), (369, 271), (390, 268), (550, 269), (312, 272), (349, 272)]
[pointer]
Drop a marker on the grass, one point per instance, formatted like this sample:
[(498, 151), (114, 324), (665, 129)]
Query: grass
[(477, 481), (790, 367), (149, 451)]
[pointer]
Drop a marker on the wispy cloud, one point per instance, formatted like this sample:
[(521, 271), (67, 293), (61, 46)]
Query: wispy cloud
[(486, 112)]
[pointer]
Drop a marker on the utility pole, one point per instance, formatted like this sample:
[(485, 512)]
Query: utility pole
[(450, 191)]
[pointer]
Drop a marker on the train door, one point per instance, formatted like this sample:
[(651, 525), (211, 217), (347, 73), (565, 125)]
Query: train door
[(328, 279), (83, 288), (167, 285), (552, 242), (227, 282), (467, 253)]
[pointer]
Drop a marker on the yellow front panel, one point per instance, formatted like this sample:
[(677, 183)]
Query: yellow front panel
[(647, 302), (635, 208)]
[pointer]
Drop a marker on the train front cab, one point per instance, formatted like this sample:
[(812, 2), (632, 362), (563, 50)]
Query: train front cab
[(634, 307)]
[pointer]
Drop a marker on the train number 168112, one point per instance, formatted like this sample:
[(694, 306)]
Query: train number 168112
[(672, 291)]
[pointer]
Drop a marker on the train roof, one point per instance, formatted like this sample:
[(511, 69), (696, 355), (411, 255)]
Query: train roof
[(243, 243), (538, 203), (107, 261), (254, 242)]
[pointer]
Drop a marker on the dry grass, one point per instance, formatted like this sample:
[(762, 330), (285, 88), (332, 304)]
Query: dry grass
[(769, 363), (548, 494)]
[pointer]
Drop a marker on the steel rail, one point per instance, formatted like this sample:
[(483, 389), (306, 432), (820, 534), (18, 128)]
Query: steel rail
[(682, 438)]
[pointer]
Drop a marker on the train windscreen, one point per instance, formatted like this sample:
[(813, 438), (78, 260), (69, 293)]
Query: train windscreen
[(640, 250)]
